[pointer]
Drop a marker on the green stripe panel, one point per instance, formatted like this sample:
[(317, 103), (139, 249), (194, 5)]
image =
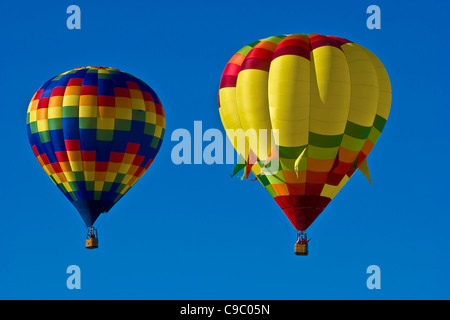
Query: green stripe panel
[(356, 131), (125, 125), (325, 141), (85, 123), (374, 135), (272, 192), (33, 127), (289, 164), (55, 124), (254, 43), (70, 111), (104, 76), (44, 136), (245, 50), (265, 182), (275, 39), (278, 177), (105, 135), (322, 153), (291, 152), (379, 123), (353, 144)]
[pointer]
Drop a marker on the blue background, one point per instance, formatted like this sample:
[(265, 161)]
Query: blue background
[(190, 231)]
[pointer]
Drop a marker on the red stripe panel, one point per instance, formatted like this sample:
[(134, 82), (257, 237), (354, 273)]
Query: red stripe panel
[(116, 157), (260, 53), (313, 189), (101, 166), (256, 63), (133, 85), (316, 177), (228, 81), (88, 90), (342, 167), (294, 45), (132, 148), (56, 167), (75, 82), (35, 150), (296, 188), (72, 145), (138, 160), (38, 95), (122, 92), (159, 109), (106, 101), (45, 159), (340, 40), (138, 171), (351, 172), (147, 96), (231, 69), (361, 158), (292, 50), (43, 103), (58, 91), (320, 41), (88, 155), (148, 164), (295, 40), (61, 156), (334, 178)]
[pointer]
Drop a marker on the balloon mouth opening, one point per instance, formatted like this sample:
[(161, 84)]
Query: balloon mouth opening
[(301, 210), (302, 218), (90, 210)]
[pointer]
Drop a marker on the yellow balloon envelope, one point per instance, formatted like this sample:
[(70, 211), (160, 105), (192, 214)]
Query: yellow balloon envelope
[(322, 100)]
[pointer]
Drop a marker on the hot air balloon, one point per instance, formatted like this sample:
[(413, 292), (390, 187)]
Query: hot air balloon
[(326, 101), (95, 131)]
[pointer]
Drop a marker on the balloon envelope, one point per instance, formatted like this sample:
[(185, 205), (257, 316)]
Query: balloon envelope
[(327, 100), (95, 131)]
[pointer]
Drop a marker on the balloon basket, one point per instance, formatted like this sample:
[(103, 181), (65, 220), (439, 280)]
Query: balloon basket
[(301, 249), (92, 243)]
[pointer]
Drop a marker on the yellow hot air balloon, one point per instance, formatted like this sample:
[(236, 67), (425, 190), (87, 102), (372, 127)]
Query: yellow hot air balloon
[(324, 100)]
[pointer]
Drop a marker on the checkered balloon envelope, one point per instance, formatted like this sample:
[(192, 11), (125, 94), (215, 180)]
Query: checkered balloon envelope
[(95, 131)]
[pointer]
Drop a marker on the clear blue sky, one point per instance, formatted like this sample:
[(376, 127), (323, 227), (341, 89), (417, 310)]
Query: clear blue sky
[(191, 232)]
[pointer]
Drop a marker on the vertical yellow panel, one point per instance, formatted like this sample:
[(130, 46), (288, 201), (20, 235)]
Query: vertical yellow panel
[(253, 107), (230, 119), (330, 91), (384, 85), (289, 99), (364, 86)]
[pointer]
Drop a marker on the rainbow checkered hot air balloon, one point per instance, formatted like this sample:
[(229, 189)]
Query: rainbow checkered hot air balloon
[(95, 131), (328, 100)]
